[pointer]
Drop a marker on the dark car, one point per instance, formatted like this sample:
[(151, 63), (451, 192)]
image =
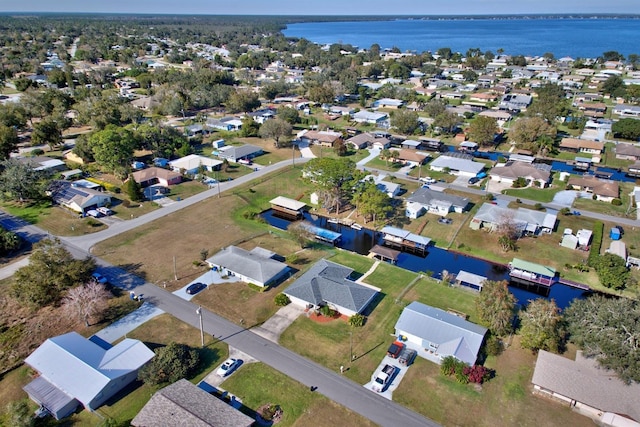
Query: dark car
[(195, 288), (474, 180), (445, 221)]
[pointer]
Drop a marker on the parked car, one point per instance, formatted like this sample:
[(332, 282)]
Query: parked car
[(395, 349), (474, 180), (428, 180), (195, 288), (99, 278), (105, 211), (445, 221), (93, 213), (227, 367)]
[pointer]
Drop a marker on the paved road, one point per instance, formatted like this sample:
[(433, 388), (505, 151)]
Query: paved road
[(329, 383)]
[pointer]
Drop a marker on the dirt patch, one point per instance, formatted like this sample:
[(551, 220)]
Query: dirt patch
[(319, 318)]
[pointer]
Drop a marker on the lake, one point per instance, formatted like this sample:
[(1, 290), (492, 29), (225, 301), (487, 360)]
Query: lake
[(577, 38)]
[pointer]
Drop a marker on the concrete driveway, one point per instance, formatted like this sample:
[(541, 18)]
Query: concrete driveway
[(128, 323), (566, 197), (276, 324), (400, 372), (215, 380), (209, 278)]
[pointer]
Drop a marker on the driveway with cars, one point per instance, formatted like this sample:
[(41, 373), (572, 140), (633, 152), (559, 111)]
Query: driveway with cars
[(209, 278), (401, 370)]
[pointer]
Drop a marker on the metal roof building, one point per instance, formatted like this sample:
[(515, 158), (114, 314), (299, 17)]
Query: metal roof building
[(256, 266)]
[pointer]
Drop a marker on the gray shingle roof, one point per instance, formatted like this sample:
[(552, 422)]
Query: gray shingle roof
[(584, 381), (255, 264), (426, 196), (454, 335), (326, 282), (184, 404)]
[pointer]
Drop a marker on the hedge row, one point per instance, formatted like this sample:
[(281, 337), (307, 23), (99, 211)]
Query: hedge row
[(107, 185), (596, 243)]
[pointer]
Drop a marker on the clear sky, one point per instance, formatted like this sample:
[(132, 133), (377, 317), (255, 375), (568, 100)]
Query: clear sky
[(325, 7)]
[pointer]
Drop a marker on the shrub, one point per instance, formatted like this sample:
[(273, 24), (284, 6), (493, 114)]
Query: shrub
[(171, 363), (258, 288), (204, 254), (493, 346), (357, 320), (596, 243), (565, 211), (616, 202), (538, 206), (327, 311), (37, 152), (477, 374), (281, 300)]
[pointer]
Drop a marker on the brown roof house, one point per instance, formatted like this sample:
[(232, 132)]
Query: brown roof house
[(582, 146), (589, 389), (511, 171), (627, 152), (604, 190), (185, 404), (155, 175), (324, 138)]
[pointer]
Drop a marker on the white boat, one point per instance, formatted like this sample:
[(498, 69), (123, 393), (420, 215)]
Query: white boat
[(356, 226), (333, 220)]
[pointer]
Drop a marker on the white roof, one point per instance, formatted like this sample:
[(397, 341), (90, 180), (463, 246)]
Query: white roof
[(81, 368), (193, 161), (288, 203), (455, 163), (474, 279)]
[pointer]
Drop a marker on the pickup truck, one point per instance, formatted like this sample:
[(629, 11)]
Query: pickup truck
[(395, 349), (383, 378)]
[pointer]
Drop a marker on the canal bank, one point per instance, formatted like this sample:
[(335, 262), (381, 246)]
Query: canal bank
[(435, 261)]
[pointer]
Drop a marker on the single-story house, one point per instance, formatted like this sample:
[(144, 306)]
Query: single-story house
[(184, 403), (604, 189), (457, 166), (256, 266), (43, 163), (364, 116), (155, 175), (328, 283), (634, 169), (78, 199), (412, 157), (262, 115), (627, 152), (225, 123), (490, 216), (410, 144), (233, 153), (626, 110), (391, 189), (438, 334), (435, 202), (365, 139), (324, 138), (74, 370), (514, 102), (191, 163), (582, 384), (388, 103), (512, 170), (582, 146)]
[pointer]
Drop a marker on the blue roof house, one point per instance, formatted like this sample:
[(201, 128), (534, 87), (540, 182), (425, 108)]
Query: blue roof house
[(74, 370), (436, 334)]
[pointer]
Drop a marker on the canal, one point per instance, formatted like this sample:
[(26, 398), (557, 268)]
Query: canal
[(435, 262)]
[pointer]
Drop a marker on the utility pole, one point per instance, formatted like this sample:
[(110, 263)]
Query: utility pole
[(199, 313), (175, 271), (351, 346)]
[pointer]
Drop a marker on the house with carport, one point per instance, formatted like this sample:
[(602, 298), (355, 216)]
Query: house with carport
[(491, 216), (235, 153), (536, 174), (192, 163), (436, 334), (257, 266), (329, 284), (587, 388), (457, 166), (73, 370), (603, 189)]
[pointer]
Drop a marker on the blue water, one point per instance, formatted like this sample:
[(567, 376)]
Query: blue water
[(578, 38), (436, 260)]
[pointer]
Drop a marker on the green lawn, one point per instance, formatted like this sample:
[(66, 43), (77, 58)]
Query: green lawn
[(543, 195), (359, 263)]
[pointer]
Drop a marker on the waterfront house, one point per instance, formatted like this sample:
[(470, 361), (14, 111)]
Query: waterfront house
[(627, 152), (456, 166), (330, 284), (582, 146), (155, 175), (436, 334), (364, 116), (491, 216), (192, 163), (535, 174), (256, 266), (425, 200)]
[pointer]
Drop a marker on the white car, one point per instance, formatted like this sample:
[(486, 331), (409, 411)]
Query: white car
[(227, 367), (105, 211), (428, 180)]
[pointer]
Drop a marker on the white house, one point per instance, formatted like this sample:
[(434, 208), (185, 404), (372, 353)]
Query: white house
[(435, 202), (328, 283), (191, 163), (74, 370), (256, 266), (457, 166), (78, 199), (364, 116), (437, 334)]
